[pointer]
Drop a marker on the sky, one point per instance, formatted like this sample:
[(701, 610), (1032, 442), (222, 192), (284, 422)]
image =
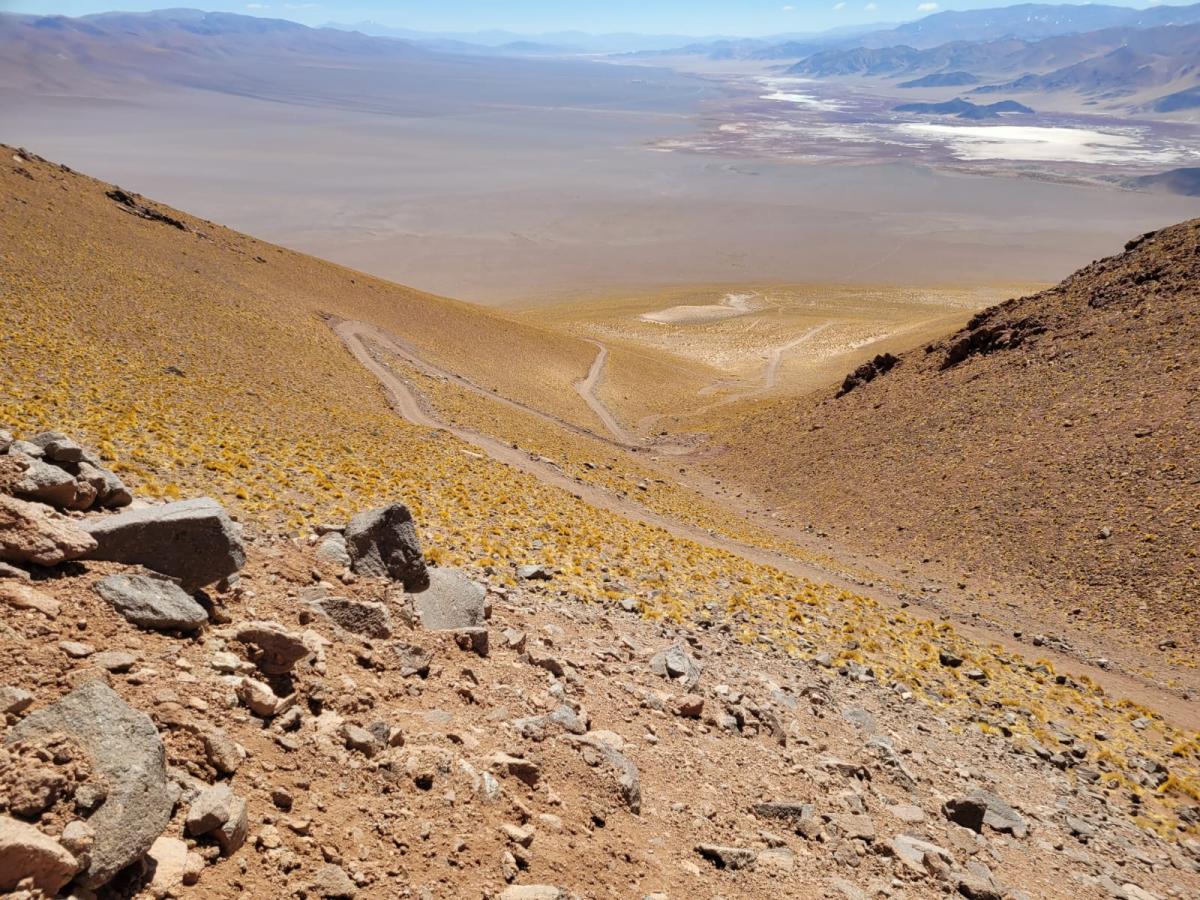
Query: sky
[(692, 17)]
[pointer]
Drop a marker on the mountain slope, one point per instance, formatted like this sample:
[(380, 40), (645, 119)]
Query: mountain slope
[(1049, 446)]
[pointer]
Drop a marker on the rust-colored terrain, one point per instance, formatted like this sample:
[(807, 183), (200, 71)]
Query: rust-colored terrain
[(1044, 455), (671, 701)]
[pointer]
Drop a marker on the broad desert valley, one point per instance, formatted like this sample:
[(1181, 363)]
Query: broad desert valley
[(566, 463)]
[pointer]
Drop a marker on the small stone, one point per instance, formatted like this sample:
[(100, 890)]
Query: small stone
[(76, 649), (514, 639), (26, 853), (690, 706), (278, 650), (115, 660), (14, 700), (517, 834), (260, 699), (533, 573), (369, 619), (361, 740), (676, 664), (169, 857), (332, 883), (78, 837), (19, 595), (211, 809), (728, 857), (532, 892), (221, 751)]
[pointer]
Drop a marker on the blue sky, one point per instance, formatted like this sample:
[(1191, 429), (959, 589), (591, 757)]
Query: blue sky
[(746, 17)]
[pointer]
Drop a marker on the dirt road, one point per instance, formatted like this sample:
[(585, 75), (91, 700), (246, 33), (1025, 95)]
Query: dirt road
[(407, 403)]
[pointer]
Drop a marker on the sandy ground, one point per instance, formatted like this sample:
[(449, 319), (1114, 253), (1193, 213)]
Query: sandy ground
[(496, 201)]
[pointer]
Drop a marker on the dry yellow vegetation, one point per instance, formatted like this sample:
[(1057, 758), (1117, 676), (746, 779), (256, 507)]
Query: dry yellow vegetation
[(198, 362)]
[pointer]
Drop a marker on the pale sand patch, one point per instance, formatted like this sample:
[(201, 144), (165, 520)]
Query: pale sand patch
[(1039, 143), (731, 306)]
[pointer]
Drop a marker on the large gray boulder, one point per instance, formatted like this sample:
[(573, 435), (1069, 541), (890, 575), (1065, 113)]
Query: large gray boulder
[(127, 754), (192, 540), (382, 543), (152, 602)]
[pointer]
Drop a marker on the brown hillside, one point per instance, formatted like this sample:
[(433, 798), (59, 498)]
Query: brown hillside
[(1049, 445)]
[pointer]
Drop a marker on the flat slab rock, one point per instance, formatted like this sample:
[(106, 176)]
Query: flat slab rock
[(152, 602), (127, 752), (192, 540)]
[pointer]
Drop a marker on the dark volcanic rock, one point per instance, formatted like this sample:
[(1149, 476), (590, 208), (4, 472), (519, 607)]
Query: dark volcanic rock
[(383, 543)]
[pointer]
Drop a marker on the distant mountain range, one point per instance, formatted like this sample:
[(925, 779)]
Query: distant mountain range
[(965, 109), (941, 79)]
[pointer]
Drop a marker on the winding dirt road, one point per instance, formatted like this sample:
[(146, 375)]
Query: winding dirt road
[(587, 390), (407, 403)]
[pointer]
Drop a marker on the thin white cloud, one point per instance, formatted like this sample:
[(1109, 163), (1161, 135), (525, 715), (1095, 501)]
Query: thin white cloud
[(841, 5), (787, 8), (926, 7), (871, 7)]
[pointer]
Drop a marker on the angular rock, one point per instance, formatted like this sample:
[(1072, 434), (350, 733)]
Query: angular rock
[(33, 533), (111, 492), (382, 543), (333, 550), (689, 706), (192, 540), (127, 752), (360, 739), (332, 883), (597, 750), (260, 699), (63, 450), (168, 855), (221, 751), (676, 664), (19, 595), (45, 483), (210, 810), (219, 812), (728, 857), (78, 837), (523, 769), (278, 649), (968, 812), (363, 617), (998, 815), (912, 852), (533, 573), (114, 660), (452, 601), (152, 602), (411, 659), (27, 853), (14, 700)]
